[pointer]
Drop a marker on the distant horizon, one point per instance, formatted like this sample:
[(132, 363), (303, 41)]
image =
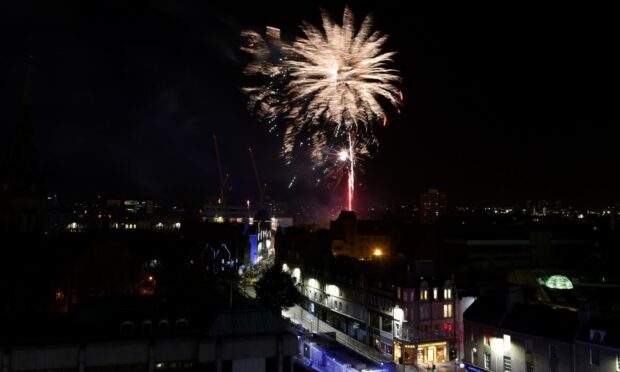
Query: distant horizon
[(127, 96), (300, 204)]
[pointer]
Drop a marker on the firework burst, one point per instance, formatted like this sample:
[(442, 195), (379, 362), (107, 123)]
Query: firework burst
[(328, 87)]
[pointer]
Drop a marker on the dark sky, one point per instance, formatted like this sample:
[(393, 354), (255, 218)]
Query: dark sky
[(502, 104)]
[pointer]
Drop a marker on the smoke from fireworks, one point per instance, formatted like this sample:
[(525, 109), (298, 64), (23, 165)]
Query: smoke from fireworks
[(327, 86)]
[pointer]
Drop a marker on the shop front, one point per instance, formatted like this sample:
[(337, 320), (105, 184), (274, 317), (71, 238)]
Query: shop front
[(421, 354), (433, 352)]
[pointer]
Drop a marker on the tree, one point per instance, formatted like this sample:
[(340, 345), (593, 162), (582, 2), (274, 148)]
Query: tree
[(276, 289)]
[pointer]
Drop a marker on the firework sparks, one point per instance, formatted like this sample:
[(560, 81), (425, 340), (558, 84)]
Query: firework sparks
[(328, 86), (338, 75)]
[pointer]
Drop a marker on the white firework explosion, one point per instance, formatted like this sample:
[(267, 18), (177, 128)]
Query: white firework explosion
[(328, 86)]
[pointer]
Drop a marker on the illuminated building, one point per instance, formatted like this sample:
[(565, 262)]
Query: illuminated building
[(383, 305), (321, 350), (149, 336), (262, 241), (432, 205), (507, 333), (359, 238)]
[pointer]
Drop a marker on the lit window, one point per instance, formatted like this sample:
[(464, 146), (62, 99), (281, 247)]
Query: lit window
[(60, 295), (434, 293), (487, 360), (617, 362), (447, 293), (424, 295), (447, 311), (507, 364)]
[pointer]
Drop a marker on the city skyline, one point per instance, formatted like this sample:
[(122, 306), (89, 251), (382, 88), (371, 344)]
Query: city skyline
[(521, 113)]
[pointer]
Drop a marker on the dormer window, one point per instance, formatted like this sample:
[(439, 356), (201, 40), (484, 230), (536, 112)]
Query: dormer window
[(164, 326), (126, 328), (597, 336), (182, 324), (147, 326), (434, 293)]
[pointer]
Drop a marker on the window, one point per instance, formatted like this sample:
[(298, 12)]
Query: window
[(487, 360), (147, 326), (447, 311), (447, 293), (529, 366), (434, 293), (486, 339), (553, 352), (594, 357), (424, 295), (423, 312), (507, 364), (529, 346), (60, 295), (126, 327), (182, 324), (597, 336), (163, 325), (617, 362)]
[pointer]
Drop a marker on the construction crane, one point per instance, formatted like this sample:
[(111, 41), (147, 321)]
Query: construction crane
[(221, 201), (261, 187)]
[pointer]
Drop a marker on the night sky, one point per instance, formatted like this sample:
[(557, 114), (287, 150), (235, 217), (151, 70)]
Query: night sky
[(502, 105)]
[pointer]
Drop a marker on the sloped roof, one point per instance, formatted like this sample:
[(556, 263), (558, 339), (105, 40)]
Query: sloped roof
[(543, 321), (245, 323), (487, 310)]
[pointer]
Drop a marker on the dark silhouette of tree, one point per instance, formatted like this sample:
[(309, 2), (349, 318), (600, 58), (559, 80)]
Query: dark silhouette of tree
[(276, 289)]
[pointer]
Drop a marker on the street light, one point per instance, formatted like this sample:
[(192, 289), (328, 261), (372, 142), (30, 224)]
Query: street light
[(151, 279)]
